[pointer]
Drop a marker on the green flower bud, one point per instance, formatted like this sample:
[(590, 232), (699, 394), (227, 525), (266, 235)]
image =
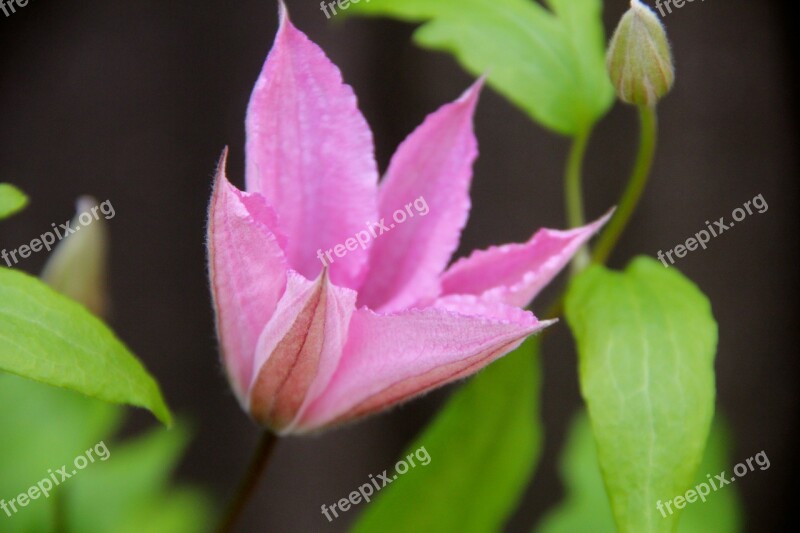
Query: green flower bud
[(78, 265), (639, 59)]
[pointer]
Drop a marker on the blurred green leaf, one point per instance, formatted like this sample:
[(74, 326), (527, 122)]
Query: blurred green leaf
[(483, 445), (548, 62), (12, 200), (646, 342), (43, 428), (722, 510), (139, 472), (49, 338), (586, 508)]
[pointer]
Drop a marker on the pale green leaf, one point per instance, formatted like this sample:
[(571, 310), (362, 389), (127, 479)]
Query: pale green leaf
[(49, 338), (586, 508), (549, 62), (483, 445), (722, 510), (12, 200), (646, 341)]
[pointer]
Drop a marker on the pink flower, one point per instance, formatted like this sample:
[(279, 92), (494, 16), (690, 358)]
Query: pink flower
[(307, 346)]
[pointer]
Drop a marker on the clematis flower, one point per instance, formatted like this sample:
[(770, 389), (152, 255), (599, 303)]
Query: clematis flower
[(307, 343)]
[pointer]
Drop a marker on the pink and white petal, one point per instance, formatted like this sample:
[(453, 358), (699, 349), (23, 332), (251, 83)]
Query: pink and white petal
[(433, 167), (300, 348), (392, 358), (310, 153), (247, 272), (515, 273)]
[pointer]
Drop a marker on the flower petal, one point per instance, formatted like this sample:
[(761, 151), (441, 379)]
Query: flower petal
[(392, 358), (247, 273), (433, 164), (310, 153), (515, 273), (299, 349)]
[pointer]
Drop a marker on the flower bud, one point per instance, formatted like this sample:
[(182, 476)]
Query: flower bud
[(78, 265), (639, 59)]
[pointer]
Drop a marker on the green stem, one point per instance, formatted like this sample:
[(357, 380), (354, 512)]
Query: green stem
[(636, 184), (573, 192), (249, 483)]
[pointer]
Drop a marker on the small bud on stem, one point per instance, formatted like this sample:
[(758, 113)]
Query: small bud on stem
[(639, 59)]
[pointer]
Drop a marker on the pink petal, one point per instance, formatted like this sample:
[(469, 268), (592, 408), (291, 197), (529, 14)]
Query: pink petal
[(433, 164), (392, 358), (247, 273), (299, 350), (515, 273), (310, 153)]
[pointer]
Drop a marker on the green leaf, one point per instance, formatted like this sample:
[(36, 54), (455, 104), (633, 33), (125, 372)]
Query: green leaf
[(722, 510), (43, 428), (646, 342), (49, 338), (483, 446), (129, 493), (548, 62), (12, 200), (586, 508)]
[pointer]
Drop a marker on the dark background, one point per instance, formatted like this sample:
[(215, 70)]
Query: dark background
[(133, 102)]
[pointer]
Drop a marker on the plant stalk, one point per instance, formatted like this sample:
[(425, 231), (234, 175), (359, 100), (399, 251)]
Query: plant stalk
[(258, 464), (573, 193), (633, 192)]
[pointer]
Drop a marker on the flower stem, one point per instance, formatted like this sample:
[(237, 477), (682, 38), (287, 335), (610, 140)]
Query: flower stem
[(633, 192), (573, 192), (258, 464)]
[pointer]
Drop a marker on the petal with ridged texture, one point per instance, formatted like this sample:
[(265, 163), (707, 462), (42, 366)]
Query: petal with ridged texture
[(433, 167), (299, 350), (392, 358), (310, 153), (247, 272), (515, 273)]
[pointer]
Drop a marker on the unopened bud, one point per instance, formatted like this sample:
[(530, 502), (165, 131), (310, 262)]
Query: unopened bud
[(77, 267), (639, 59)]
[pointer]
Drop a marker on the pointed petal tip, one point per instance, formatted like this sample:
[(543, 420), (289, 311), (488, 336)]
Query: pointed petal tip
[(606, 216), (283, 13), (219, 172), (546, 324), (221, 183), (285, 26), (472, 94)]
